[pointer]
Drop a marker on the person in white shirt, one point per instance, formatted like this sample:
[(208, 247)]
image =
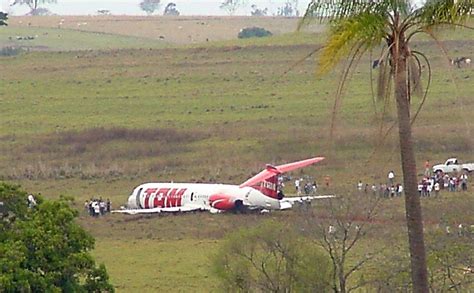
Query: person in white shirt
[(31, 201), (391, 177), (437, 188)]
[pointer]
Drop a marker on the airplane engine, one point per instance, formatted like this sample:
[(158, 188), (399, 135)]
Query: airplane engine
[(222, 202)]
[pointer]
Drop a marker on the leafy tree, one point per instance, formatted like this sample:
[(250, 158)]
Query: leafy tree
[(3, 18), (149, 6), (42, 249), (171, 9), (271, 258), (232, 5), (33, 4), (357, 26), (13, 205)]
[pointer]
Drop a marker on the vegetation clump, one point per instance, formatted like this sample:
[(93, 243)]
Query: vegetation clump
[(271, 258), (253, 32), (42, 248)]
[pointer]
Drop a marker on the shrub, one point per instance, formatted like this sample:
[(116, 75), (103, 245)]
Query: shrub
[(253, 32)]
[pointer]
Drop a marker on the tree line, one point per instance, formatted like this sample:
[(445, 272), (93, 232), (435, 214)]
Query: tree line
[(288, 9)]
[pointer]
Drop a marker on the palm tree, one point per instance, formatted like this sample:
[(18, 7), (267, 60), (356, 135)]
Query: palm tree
[(358, 26)]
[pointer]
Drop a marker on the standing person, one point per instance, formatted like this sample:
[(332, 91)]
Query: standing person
[(392, 191), (446, 181), (359, 185), (427, 168), (327, 180), (101, 207), (297, 186), (463, 180), (96, 207), (391, 177), (109, 205), (91, 207), (86, 206), (399, 189), (31, 201), (437, 188)]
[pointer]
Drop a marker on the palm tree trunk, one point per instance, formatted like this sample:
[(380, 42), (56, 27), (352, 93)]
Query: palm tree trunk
[(412, 200)]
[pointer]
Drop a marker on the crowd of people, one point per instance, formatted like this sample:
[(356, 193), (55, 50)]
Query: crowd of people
[(433, 184), (307, 186), (97, 207), (389, 189), (429, 185)]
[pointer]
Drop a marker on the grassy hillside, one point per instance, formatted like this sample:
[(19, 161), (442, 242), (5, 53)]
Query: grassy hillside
[(60, 39), (176, 30), (99, 122)]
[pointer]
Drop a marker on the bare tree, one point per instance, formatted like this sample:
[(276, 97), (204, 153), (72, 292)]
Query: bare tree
[(232, 5), (338, 225), (289, 9), (33, 4), (258, 11)]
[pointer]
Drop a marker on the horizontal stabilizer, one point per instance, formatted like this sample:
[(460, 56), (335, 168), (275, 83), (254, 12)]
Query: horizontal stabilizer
[(274, 170)]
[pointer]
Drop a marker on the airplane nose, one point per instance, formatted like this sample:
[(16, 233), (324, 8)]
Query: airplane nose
[(131, 202)]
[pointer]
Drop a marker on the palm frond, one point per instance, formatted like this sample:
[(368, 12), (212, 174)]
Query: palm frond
[(357, 51), (414, 73), (330, 10), (383, 80), (444, 12), (365, 28), (425, 94)]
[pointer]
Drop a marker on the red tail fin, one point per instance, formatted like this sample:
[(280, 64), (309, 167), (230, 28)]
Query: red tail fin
[(269, 187)]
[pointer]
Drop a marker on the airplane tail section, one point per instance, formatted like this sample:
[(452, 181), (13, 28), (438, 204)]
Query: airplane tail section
[(269, 187), (267, 180)]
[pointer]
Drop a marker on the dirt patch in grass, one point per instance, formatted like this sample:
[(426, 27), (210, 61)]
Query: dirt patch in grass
[(104, 135), (99, 153)]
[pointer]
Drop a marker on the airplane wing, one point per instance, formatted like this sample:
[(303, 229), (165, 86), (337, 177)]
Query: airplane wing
[(274, 170), (288, 202), (156, 210)]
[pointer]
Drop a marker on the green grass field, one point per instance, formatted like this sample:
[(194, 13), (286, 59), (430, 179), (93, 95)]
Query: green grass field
[(86, 114)]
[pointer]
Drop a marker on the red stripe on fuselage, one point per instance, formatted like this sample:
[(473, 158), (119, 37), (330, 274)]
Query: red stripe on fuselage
[(163, 197), (148, 194)]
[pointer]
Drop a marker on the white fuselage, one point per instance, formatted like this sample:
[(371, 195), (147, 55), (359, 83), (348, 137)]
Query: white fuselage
[(197, 195)]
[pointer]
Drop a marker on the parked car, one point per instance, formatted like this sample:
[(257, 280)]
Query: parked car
[(453, 165)]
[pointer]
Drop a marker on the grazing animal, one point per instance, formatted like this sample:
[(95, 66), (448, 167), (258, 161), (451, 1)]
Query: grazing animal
[(459, 61), (375, 63)]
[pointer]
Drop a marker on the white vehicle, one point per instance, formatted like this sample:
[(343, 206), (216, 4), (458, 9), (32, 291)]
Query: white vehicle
[(453, 165), (259, 193)]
